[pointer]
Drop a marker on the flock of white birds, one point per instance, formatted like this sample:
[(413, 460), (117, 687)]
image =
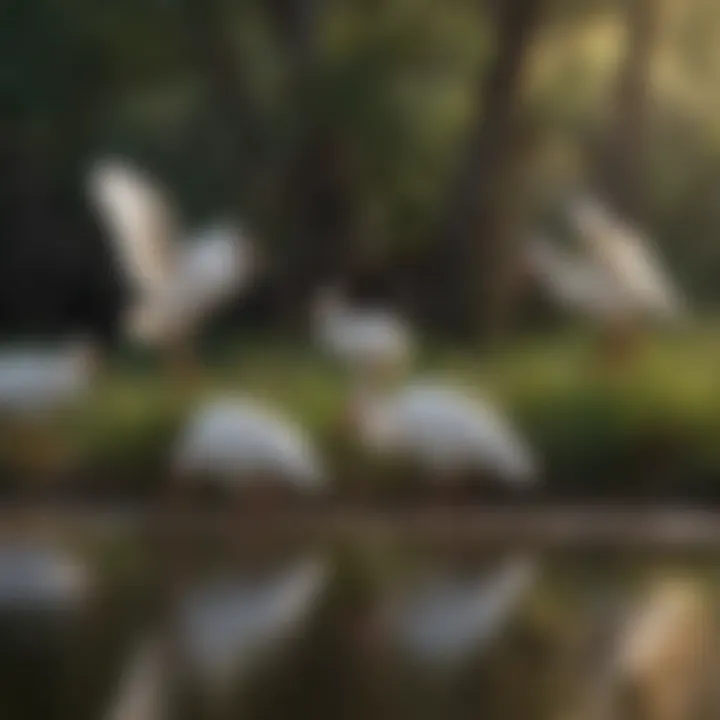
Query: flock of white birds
[(180, 278)]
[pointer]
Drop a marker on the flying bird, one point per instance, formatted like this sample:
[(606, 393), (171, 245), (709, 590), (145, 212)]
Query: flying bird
[(178, 278), (630, 259)]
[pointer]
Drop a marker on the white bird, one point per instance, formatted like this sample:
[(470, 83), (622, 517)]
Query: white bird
[(143, 692), (629, 259), (41, 579), (574, 283), (177, 284), (366, 340), (239, 440), (445, 621), (37, 380), (227, 627), (443, 428)]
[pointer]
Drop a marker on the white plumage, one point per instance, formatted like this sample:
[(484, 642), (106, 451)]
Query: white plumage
[(445, 621), (241, 439), (363, 339), (445, 429), (177, 285), (629, 260), (574, 283), (143, 692), (40, 578), (226, 627), (36, 380)]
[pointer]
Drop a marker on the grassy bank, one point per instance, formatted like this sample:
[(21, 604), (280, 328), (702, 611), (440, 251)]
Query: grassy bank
[(653, 428)]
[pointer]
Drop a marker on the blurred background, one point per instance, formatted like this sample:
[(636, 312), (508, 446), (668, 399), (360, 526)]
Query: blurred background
[(403, 152), (404, 147)]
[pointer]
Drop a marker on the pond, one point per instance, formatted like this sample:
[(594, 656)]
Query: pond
[(326, 630)]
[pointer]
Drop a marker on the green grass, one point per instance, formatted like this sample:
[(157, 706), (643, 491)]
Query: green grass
[(660, 415)]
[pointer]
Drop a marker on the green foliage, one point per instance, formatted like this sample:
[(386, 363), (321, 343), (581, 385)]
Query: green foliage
[(655, 423)]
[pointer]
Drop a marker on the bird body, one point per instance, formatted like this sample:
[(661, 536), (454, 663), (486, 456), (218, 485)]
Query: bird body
[(35, 380), (629, 259), (240, 439), (445, 429), (363, 339), (575, 284), (176, 284)]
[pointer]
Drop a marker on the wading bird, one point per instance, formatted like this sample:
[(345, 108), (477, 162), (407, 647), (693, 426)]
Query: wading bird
[(372, 343), (34, 381), (444, 430), (241, 442), (177, 285)]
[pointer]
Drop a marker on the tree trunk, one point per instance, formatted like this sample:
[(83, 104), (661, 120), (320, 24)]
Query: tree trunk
[(622, 164), (315, 187), (476, 256), (233, 136)]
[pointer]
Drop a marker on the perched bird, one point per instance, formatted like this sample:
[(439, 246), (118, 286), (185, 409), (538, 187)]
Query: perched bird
[(225, 628), (177, 285), (444, 429), (370, 342), (143, 692), (35, 380), (663, 651), (444, 621), (39, 578), (241, 441)]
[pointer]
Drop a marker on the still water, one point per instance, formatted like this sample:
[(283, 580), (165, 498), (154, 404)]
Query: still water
[(253, 630)]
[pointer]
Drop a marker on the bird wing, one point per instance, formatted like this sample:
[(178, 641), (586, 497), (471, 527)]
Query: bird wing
[(140, 220), (628, 256), (451, 424), (211, 268), (237, 435), (572, 282)]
